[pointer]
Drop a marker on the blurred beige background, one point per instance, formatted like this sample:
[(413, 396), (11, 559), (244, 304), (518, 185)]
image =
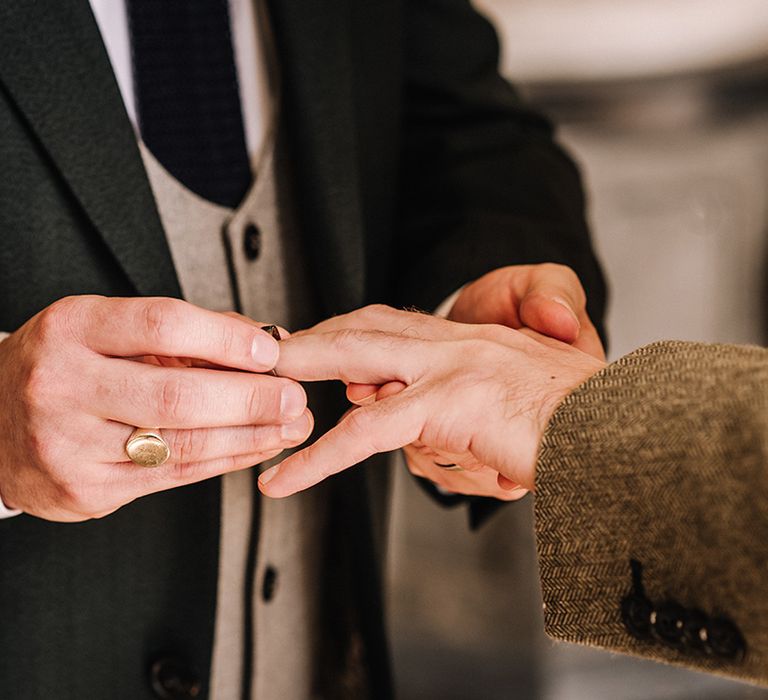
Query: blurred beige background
[(664, 103)]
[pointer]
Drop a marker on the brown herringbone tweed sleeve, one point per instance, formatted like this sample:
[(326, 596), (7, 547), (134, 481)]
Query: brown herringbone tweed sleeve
[(663, 458)]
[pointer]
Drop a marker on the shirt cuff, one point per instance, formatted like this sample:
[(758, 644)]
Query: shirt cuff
[(5, 511), (445, 308)]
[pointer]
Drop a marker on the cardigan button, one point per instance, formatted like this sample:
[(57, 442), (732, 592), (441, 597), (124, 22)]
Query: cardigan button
[(172, 679), (269, 584), (252, 241)]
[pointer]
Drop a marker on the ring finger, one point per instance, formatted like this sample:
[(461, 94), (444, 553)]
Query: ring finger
[(205, 444), (129, 481), (479, 482)]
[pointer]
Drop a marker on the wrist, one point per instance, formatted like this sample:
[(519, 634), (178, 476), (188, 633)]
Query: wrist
[(562, 385)]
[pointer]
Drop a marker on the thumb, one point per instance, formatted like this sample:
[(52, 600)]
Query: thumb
[(553, 304)]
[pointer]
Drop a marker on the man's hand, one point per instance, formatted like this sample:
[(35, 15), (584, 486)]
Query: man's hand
[(74, 382), (479, 397), (548, 299)]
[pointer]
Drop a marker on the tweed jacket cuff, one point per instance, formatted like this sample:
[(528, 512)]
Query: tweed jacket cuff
[(661, 459)]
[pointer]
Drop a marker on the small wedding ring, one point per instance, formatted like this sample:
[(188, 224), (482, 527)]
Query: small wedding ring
[(274, 331), (449, 467), (147, 447)]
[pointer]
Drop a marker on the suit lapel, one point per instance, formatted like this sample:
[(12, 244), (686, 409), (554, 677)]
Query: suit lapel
[(54, 66), (317, 102)]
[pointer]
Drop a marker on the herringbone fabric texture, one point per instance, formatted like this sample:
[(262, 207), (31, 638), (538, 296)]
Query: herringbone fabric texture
[(662, 457)]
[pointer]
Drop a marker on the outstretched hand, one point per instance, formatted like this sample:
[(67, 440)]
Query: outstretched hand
[(545, 299), (477, 396)]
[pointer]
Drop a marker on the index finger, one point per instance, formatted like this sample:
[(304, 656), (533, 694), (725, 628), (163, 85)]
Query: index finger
[(364, 432), (128, 327)]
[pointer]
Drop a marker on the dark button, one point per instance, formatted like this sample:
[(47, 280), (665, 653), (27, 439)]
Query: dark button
[(695, 630), (636, 613), (269, 584), (172, 679), (723, 639), (252, 241), (668, 622)]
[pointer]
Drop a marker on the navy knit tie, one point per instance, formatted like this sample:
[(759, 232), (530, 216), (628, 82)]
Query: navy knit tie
[(188, 100)]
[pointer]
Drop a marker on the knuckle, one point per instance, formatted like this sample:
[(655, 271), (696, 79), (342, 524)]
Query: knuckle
[(556, 268), (487, 348), (38, 385), (357, 425), (186, 446), (377, 310), (263, 399), (157, 316), (174, 401), (376, 313), (43, 450), (566, 273), (260, 440), (492, 332), (102, 514), (71, 495), (56, 319), (181, 470), (230, 341)]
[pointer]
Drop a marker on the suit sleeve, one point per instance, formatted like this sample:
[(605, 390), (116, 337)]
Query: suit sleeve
[(652, 509), (483, 183)]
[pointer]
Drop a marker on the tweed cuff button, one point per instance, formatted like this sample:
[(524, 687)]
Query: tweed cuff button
[(695, 630), (668, 622), (636, 613), (724, 639)]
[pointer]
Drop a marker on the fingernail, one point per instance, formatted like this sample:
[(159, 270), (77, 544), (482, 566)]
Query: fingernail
[(298, 430), (366, 400), (268, 475), (292, 401), (563, 302), (264, 350)]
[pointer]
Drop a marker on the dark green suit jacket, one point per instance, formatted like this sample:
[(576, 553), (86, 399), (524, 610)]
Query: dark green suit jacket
[(419, 170)]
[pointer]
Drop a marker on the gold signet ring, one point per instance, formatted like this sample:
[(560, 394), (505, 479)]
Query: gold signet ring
[(147, 448)]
